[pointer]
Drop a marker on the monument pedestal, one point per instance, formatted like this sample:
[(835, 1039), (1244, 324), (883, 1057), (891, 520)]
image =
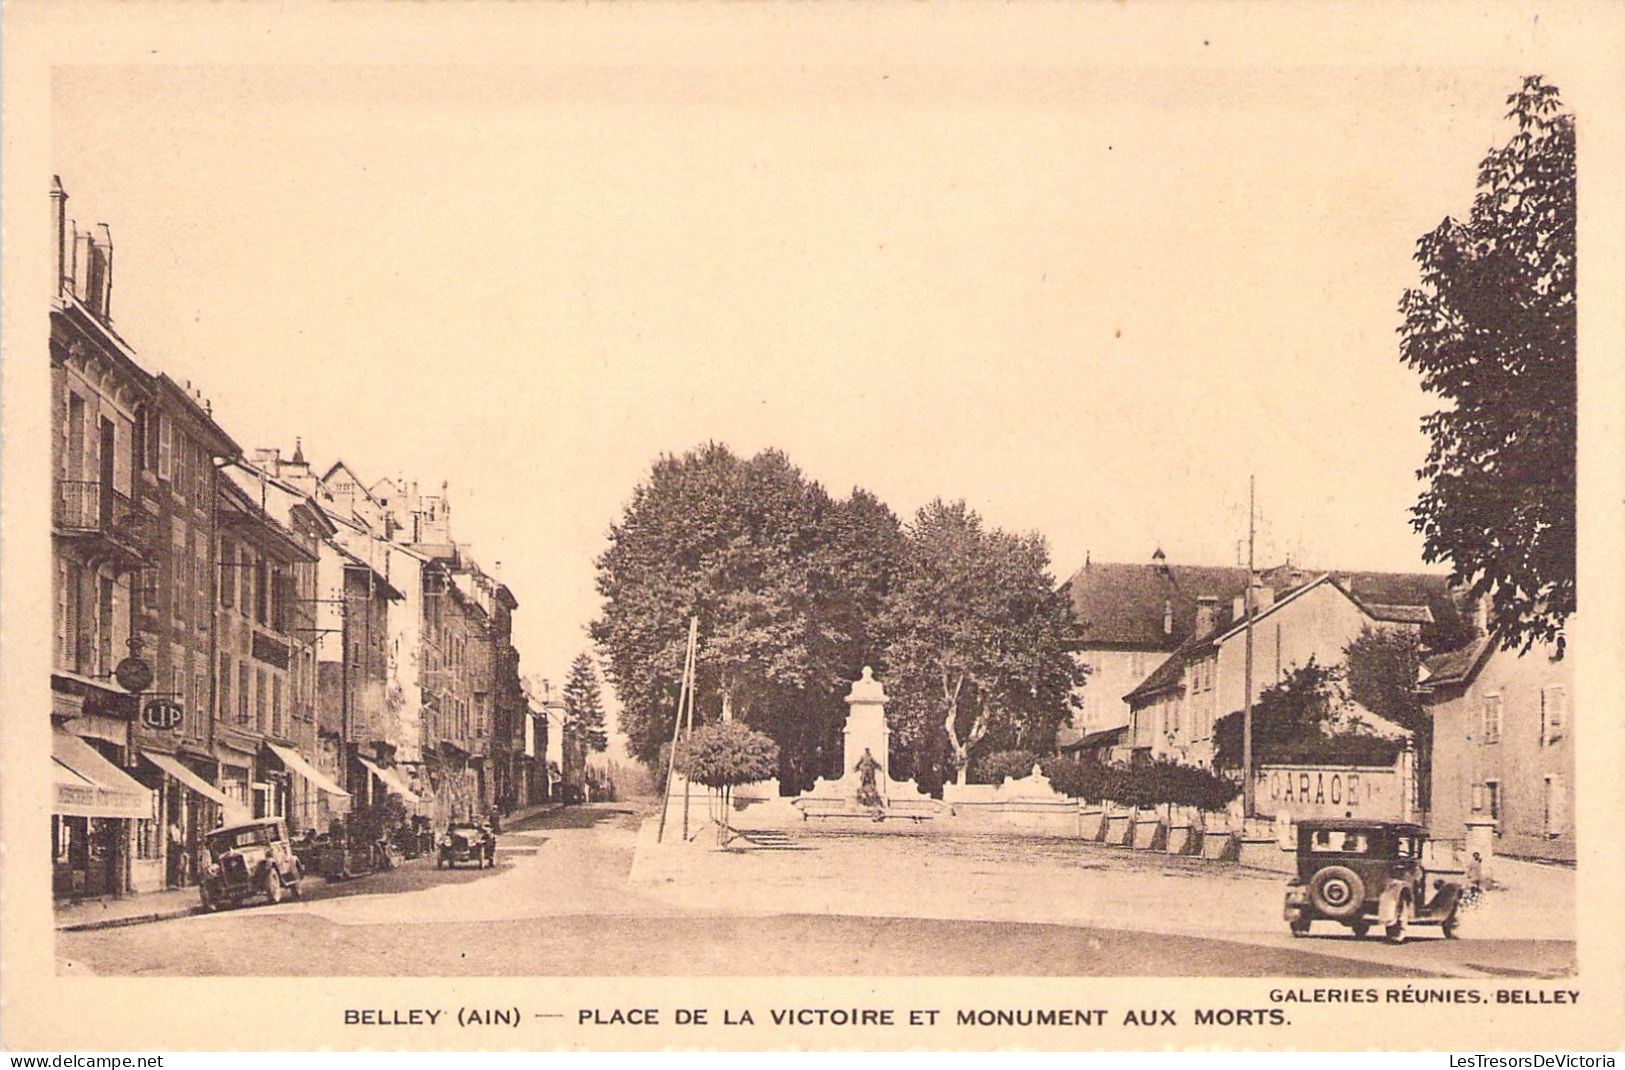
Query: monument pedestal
[(866, 732)]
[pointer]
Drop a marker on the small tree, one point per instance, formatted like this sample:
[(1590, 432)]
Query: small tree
[(1307, 703), (1383, 666), (724, 755)]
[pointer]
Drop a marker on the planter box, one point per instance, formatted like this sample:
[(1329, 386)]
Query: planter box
[(1179, 839), (1119, 829), (1091, 822), (1218, 845), (1147, 830)]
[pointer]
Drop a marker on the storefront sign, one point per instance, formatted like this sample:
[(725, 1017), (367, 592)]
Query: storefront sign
[(162, 715), (1330, 791)]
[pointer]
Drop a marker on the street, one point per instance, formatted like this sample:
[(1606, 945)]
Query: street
[(564, 900)]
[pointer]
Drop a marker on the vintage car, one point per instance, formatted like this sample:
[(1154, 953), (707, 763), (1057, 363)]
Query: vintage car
[(465, 841), (1364, 873), (246, 859)]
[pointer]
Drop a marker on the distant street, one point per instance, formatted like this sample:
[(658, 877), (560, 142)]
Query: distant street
[(560, 903)]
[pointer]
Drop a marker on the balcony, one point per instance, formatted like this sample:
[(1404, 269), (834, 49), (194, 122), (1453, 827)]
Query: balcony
[(105, 523)]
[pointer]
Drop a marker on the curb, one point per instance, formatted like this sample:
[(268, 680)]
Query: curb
[(132, 919)]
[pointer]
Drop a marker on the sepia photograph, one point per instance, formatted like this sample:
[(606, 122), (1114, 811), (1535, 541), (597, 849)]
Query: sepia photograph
[(729, 510)]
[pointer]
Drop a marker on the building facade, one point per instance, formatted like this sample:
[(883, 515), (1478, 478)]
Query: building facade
[(1503, 747)]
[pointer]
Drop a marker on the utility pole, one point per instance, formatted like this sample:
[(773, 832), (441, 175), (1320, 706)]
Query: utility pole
[(1247, 709), (677, 723)]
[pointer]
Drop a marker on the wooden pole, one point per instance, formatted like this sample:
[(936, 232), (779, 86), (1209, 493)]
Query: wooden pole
[(1247, 800), (676, 729), (688, 720)]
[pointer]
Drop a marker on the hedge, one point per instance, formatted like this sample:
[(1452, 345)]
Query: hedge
[(1142, 786)]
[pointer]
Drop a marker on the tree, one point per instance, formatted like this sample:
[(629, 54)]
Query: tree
[(722, 756), (1491, 329), (786, 583), (583, 706), (977, 647), (1384, 665), (1307, 704)]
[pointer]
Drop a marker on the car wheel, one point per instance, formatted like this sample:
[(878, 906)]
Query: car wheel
[(1360, 929), (1452, 925), (1396, 931), (295, 890), (1337, 892), (273, 886)]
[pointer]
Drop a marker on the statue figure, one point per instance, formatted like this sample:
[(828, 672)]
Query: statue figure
[(868, 788)]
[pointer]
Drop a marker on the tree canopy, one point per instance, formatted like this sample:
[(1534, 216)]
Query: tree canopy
[(977, 635), (1309, 717), (786, 581), (1491, 330)]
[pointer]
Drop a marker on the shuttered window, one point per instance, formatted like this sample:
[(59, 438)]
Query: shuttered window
[(1553, 712)]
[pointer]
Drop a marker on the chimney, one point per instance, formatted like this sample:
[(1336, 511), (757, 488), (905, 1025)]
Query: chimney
[(59, 208), (1167, 618), (1207, 613), (268, 458)]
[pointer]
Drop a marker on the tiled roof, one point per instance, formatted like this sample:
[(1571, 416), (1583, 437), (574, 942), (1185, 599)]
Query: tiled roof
[(1127, 603), (1457, 666)]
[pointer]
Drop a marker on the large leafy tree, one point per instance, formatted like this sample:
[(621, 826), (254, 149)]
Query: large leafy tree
[(977, 652), (785, 581), (1491, 330)]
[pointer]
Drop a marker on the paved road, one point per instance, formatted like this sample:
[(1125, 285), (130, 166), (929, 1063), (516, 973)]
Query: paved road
[(559, 903)]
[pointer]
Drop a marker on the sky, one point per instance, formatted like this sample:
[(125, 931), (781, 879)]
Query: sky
[(1090, 302)]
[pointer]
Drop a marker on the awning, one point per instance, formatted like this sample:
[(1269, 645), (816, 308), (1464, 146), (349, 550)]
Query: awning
[(168, 764), (296, 763), (391, 780), (105, 791)]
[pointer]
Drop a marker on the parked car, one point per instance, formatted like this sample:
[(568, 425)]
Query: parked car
[(1364, 873), (247, 859), (465, 841)]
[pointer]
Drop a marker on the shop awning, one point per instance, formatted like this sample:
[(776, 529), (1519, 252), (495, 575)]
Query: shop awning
[(174, 768), (105, 791), (392, 780), (296, 763)]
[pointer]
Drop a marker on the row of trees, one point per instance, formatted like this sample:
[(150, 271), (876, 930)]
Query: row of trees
[(797, 590)]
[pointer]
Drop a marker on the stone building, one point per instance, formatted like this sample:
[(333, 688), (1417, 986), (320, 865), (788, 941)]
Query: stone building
[(105, 826), (1503, 747)]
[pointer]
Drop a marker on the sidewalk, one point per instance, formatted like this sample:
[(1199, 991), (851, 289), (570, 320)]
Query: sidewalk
[(127, 910)]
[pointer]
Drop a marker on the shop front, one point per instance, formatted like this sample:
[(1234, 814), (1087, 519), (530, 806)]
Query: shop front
[(299, 803), (190, 806), (101, 822)]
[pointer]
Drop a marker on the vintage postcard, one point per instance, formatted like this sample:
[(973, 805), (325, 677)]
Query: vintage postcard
[(947, 526)]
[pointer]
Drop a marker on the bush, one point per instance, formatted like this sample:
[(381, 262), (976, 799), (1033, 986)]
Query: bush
[(1143, 786), (727, 753), (995, 766)]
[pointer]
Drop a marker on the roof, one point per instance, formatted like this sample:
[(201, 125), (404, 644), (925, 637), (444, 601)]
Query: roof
[(1458, 666), (1096, 739), (1127, 604), (1353, 823)]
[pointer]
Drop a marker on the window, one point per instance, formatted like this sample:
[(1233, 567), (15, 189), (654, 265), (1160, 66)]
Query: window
[(166, 447), (245, 572), (198, 711), (1492, 799), (224, 687), (242, 694), (1492, 719), (1553, 712), (259, 699), (262, 593), (1556, 806), (146, 839), (276, 706), (104, 626), (138, 441), (228, 575)]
